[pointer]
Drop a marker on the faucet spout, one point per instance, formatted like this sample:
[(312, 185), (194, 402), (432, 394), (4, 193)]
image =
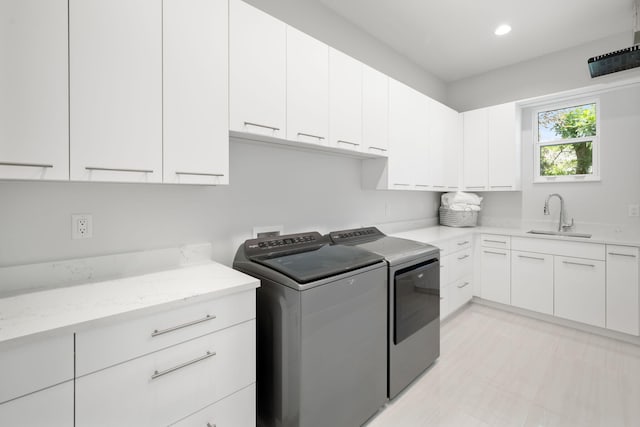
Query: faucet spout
[(561, 222)]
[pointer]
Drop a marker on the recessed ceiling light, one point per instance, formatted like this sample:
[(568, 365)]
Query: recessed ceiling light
[(502, 30)]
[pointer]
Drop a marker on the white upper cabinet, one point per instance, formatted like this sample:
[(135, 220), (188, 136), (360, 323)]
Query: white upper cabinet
[(375, 111), (195, 92), (476, 148), (257, 67), (492, 148), (115, 49), (504, 147), (345, 101), (34, 105), (307, 88), (445, 142)]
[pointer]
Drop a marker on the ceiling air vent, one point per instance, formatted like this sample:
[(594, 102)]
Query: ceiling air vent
[(620, 60)]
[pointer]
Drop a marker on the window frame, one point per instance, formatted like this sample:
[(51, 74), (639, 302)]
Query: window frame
[(595, 141)]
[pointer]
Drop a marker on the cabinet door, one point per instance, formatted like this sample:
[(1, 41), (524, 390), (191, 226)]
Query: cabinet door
[(34, 105), (532, 281), (504, 159), (438, 150), (50, 407), (421, 149), (307, 88), (257, 71), (476, 147), (115, 49), (345, 101), (580, 290), (375, 110), (195, 94), (622, 289), (452, 141), (495, 275)]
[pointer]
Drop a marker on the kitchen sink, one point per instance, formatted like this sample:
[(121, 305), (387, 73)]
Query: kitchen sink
[(560, 233)]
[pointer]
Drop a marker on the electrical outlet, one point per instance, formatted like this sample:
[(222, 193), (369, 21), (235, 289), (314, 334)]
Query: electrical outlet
[(267, 231), (81, 226), (634, 210)]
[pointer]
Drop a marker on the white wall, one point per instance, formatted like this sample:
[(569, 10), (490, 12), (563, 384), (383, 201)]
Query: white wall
[(557, 72), (324, 24), (591, 204), (269, 186)]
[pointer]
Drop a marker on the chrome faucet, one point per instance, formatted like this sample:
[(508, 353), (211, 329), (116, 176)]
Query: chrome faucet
[(561, 222)]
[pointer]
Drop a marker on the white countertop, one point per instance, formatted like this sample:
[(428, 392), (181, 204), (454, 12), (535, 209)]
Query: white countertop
[(76, 307), (440, 233)]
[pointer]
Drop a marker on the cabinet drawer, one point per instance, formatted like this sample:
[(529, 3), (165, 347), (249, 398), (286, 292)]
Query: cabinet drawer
[(35, 365), (460, 265), (559, 247), (444, 270), (444, 301), (237, 410), (495, 241), (165, 386), (460, 292), (50, 407), (460, 243), (112, 344)]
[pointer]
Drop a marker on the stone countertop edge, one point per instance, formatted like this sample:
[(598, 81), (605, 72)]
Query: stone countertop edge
[(31, 316), (440, 233)]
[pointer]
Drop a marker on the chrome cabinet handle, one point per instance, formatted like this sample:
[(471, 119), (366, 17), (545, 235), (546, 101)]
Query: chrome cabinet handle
[(501, 186), (578, 263), (422, 185), (404, 185), (463, 257), (199, 173), (439, 186), (496, 241), (378, 148), (211, 425), (465, 284), (311, 136), (158, 374), (157, 332), (495, 253), (531, 257), (463, 243), (619, 254), (28, 165), (441, 298), (261, 126), (347, 142), (94, 168), (475, 186)]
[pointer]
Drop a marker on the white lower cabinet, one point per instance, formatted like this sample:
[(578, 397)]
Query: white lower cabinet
[(532, 281), (165, 386), (50, 407), (237, 410), (580, 290), (495, 275), (622, 289)]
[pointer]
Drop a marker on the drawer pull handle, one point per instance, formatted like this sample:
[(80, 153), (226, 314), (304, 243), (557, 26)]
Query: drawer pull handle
[(157, 374), (157, 332), (465, 284), (211, 425), (501, 186), (463, 257), (95, 168), (463, 243), (311, 136), (441, 298), (531, 257), (578, 263), (261, 126), (28, 165), (494, 253), (475, 186), (619, 254), (399, 183), (342, 141), (377, 148), (199, 173), (496, 241)]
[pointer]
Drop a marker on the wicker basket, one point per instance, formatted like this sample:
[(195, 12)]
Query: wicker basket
[(453, 218)]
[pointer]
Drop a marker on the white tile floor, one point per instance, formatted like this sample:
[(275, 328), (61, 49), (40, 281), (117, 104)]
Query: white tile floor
[(503, 369)]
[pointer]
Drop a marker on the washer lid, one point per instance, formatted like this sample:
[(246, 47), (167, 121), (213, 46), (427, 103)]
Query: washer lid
[(317, 263)]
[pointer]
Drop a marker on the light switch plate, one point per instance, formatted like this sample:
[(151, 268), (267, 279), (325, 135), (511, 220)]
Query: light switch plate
[(634, 210)]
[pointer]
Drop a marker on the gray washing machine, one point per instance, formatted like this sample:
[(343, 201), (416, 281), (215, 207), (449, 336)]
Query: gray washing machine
[(414, 301), (321, 308)]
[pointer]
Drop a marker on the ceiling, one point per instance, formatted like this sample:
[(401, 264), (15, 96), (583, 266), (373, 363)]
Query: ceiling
[(453, 39)]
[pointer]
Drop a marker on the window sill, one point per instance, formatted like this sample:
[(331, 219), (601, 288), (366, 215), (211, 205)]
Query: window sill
[(566, 179)]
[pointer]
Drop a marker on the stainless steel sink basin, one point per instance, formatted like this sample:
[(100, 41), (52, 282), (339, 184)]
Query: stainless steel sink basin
[(560, 233)]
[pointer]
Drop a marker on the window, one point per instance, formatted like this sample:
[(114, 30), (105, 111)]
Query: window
[(566, 142)]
